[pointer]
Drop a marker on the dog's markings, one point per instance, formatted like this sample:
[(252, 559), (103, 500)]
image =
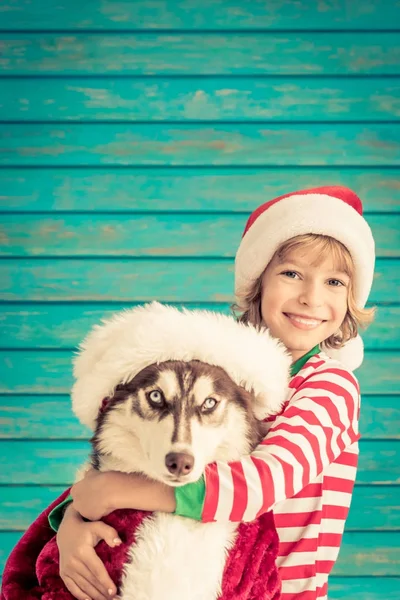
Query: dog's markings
[(169, 384)]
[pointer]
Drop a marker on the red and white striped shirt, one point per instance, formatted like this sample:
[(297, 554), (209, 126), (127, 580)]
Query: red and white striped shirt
[(304, 470)]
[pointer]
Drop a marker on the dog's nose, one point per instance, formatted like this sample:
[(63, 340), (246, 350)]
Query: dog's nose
[(179, 463)]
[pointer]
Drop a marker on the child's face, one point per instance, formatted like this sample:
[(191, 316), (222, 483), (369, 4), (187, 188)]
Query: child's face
[(303, 304)]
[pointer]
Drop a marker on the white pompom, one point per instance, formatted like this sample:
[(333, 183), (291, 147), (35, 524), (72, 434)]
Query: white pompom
[(351, 355)]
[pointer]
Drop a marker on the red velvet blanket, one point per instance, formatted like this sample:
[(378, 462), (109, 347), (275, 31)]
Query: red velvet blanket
[(31, 571)]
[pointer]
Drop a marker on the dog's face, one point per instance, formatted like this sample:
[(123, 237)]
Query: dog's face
[(172, 419)]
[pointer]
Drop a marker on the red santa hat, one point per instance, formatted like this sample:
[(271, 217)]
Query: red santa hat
[(131, 340), (333, 211)]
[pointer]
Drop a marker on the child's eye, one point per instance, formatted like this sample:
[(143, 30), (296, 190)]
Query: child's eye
[(335, 282), (291, 274)]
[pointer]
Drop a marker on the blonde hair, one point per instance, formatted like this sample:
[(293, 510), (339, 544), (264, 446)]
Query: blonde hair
[(322, 246)]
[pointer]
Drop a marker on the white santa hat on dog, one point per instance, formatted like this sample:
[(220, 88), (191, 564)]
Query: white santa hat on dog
[(332, 211), (121, 347)]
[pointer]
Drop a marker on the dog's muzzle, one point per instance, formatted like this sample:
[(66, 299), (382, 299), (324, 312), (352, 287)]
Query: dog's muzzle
[(179, 463)]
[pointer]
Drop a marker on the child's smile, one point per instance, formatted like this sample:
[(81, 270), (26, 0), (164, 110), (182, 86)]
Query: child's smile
[(302, 321), (303, 303)]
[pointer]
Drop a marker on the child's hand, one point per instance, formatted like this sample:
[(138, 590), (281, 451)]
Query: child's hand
[(81, 570)]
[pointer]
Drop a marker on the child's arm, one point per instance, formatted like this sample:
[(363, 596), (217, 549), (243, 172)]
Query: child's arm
[(98, 494), (320, 421)]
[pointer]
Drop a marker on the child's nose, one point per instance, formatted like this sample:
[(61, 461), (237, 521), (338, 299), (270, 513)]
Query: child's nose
[(311, 295)]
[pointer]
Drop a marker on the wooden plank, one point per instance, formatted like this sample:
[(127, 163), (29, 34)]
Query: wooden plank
[(189, 189), (54, 462), (25, 416), (140, 280), (193, 99), (159, 235), (379, 416), (19, 506), (373, 554), (43, 325), (195, 145), (49, 372), (32, 417), (198, 14), (194, 54), (372, 508), (363, 588), (8, 539)]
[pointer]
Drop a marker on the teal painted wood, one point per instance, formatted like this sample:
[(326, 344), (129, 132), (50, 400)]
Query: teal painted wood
[(367, 588), (54, 462), (373, 554), (192, 54), (58, 326), (49, 372), (376, 506), (379, 416), (191, 99), (199, 14), (140, 280), (19, 506), (229, 144), (158, 235), (188, 189), (32, 417)]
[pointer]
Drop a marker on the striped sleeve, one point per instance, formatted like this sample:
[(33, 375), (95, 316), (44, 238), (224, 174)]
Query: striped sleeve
[(318, 423)]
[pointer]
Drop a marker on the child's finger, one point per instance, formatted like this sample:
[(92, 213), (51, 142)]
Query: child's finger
[(74, 589), (101, 575), (89, 591), (106, 533)]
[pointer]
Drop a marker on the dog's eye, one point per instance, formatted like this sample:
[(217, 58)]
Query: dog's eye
[(155, 397), (208, 404)]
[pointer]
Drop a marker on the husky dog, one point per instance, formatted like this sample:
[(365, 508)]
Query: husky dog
[(169, 422), (167, 393)]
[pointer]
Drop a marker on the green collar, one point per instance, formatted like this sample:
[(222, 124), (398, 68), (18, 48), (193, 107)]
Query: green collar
[(300, 362)]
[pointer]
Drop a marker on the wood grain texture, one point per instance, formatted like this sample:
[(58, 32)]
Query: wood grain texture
[(49, 372), (198, 14), (188, 189), (367, 588), (141, 280), (194, 54), (156, 144), (193, 99), (42, 325), (156, 235), (26, 416), (54, 462)]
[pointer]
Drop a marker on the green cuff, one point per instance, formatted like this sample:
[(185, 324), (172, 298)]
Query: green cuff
[(190, 499), (56, 515)]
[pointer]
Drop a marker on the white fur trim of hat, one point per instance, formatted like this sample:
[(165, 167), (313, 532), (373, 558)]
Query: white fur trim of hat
[(333, 211), (122, 346)]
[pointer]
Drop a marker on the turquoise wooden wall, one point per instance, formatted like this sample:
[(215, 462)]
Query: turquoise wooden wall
[(135, 139)]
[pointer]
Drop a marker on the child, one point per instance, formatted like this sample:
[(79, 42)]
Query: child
[(304, 268)]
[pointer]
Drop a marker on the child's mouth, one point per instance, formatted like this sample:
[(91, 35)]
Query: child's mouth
[(301, 322)]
